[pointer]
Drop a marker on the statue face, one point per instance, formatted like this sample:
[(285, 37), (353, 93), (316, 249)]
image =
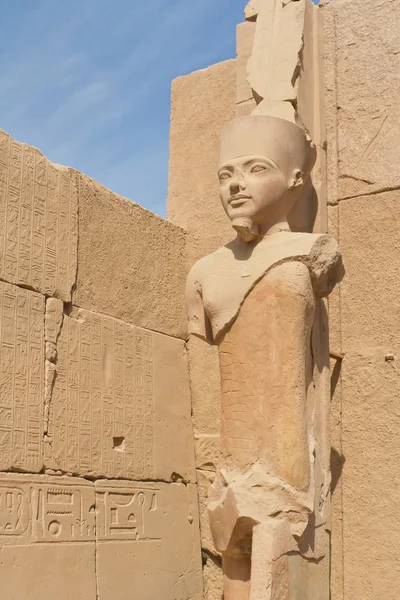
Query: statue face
[(252, 187)]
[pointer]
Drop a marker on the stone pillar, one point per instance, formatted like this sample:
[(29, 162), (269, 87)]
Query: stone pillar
[(363, 123)]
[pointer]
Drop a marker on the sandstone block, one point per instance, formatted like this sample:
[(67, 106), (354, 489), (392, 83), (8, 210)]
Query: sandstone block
[(120, 404), (206, 397), (202, 103), (273, 65), (47, 538), (21, 378), (244, 46), (367, 78), (204, 482), (212, 574), (131, 262), (330, 99), (308, 579), (207, 450), (148, 541), (371, 425), (335, 336), (369, 233), (38, 220)]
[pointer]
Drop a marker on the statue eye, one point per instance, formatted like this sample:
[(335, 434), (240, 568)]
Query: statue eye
[(224, 175), (258, 168)]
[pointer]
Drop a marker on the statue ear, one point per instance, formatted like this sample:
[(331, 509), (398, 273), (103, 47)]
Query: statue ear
[(296, 180)]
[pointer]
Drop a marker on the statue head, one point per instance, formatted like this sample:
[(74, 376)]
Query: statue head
[(264, 163)]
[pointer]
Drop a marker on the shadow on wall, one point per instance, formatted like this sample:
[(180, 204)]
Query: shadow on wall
[(337, 464), (337, 459)]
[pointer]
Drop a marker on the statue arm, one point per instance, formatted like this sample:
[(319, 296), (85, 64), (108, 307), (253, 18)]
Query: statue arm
[(198, 323)]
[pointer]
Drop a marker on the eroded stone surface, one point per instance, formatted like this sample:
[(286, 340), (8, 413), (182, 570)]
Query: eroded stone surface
[(367, 79), (212, 575), (274, 62), (370, 317), (205, 391), (131, 262), (50, 527), (244, 46), (370, 447), (161, 538), (120, 404), (47, 537), (21, 378), (38, 220), (204, 481)]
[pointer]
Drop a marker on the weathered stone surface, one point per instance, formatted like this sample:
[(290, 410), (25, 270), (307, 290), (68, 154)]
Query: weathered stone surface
[(205, 391), (369, 237), (335, 335), (273, 65), (311, 109), (146, 534), (252, 9), (330, 100), (148, 541), (204, 482), (337, 465), (212, 574), (309, 580), (207, 448), (47, 538), (202, 103), (38, 220), (371, 424), (21, 378), (365, 319), (244, 46), (131, 262), (120, 404), (367, 79)]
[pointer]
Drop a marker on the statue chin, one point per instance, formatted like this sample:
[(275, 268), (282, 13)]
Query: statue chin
[(246, 228)]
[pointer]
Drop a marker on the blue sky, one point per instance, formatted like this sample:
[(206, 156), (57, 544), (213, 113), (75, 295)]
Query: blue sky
[(88, 81)]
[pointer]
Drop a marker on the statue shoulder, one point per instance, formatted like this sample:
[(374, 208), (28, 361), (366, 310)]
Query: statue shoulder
[(325, 264), (321, 254)]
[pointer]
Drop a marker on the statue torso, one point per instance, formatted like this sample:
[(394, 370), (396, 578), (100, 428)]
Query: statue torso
[(266, 369), (228, 275)]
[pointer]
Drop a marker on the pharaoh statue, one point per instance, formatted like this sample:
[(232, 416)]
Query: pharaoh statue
[(260, 300)]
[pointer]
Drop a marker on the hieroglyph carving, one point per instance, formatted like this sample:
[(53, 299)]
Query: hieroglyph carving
[(35, 510), (259, 298), (21, 378), (38, 220), (103, 391)]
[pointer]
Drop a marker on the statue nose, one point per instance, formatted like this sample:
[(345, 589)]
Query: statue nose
[(234, 186), (237, 184)]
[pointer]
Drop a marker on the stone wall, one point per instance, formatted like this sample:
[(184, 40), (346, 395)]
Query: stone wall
[(98, 479), (362, 66)]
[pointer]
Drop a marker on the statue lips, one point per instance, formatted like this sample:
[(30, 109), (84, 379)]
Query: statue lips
[(238, 199)]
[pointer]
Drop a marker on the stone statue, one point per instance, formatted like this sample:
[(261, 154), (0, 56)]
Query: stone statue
[(259, 298)]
